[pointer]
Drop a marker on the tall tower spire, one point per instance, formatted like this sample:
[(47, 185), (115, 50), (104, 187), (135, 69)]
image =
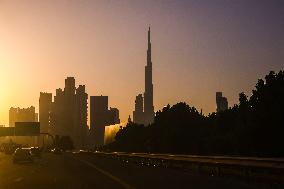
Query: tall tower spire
[(148, 94), (149, 58), (147, 115), (149, 35)]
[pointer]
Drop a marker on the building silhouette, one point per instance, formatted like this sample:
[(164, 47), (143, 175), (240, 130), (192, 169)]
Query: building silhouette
[(45, 103), (146, 116), (101, 116), (114, 115), (129, 119), (81, 116), (68, 112), (22, 115), (138, 113), (221, 102)]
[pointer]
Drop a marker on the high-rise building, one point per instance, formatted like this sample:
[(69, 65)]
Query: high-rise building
[(221, 102), (56, 115), (114, 115), (45, 102), (149, 113), (69, 86), (22, 115), (147, 117), (138, 114), (69, 112), (98, 118), (81, 116), (101, 116)]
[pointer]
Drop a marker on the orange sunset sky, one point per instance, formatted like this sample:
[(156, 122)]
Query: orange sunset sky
[(197, 49)]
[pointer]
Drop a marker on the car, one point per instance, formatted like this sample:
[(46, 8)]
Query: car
[(35, 151), (56, 150), (22, 155)]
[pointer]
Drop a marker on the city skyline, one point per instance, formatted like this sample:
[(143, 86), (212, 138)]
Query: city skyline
[(141, 94), (35, 55)]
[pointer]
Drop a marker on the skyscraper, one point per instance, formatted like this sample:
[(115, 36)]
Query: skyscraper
[(149, 113), (69, 112), (81, 116), (147, 117), (45, 102), (138, 114), (221, 102), (98, 118), (114, 115), (69, 88), (101, 116)]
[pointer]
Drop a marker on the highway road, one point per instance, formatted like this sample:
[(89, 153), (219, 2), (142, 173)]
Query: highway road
[(83, 171)]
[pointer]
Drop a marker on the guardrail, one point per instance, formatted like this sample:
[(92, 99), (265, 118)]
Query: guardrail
[(250, 168)]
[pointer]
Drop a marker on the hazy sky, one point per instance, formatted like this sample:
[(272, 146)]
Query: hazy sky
[(198, 46)]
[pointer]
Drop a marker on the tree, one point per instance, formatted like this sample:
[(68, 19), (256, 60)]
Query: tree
[(254, 127)]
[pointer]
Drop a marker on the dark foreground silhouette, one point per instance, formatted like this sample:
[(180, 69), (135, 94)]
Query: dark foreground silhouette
[(254, 127)]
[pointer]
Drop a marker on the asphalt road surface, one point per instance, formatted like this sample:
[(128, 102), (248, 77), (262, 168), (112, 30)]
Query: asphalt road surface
[(79, 171)]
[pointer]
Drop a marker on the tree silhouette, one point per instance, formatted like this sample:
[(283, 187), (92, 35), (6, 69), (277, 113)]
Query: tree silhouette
[(254, 127)]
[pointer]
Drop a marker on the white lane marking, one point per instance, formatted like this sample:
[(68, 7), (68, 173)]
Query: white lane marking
[(124, 184)]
